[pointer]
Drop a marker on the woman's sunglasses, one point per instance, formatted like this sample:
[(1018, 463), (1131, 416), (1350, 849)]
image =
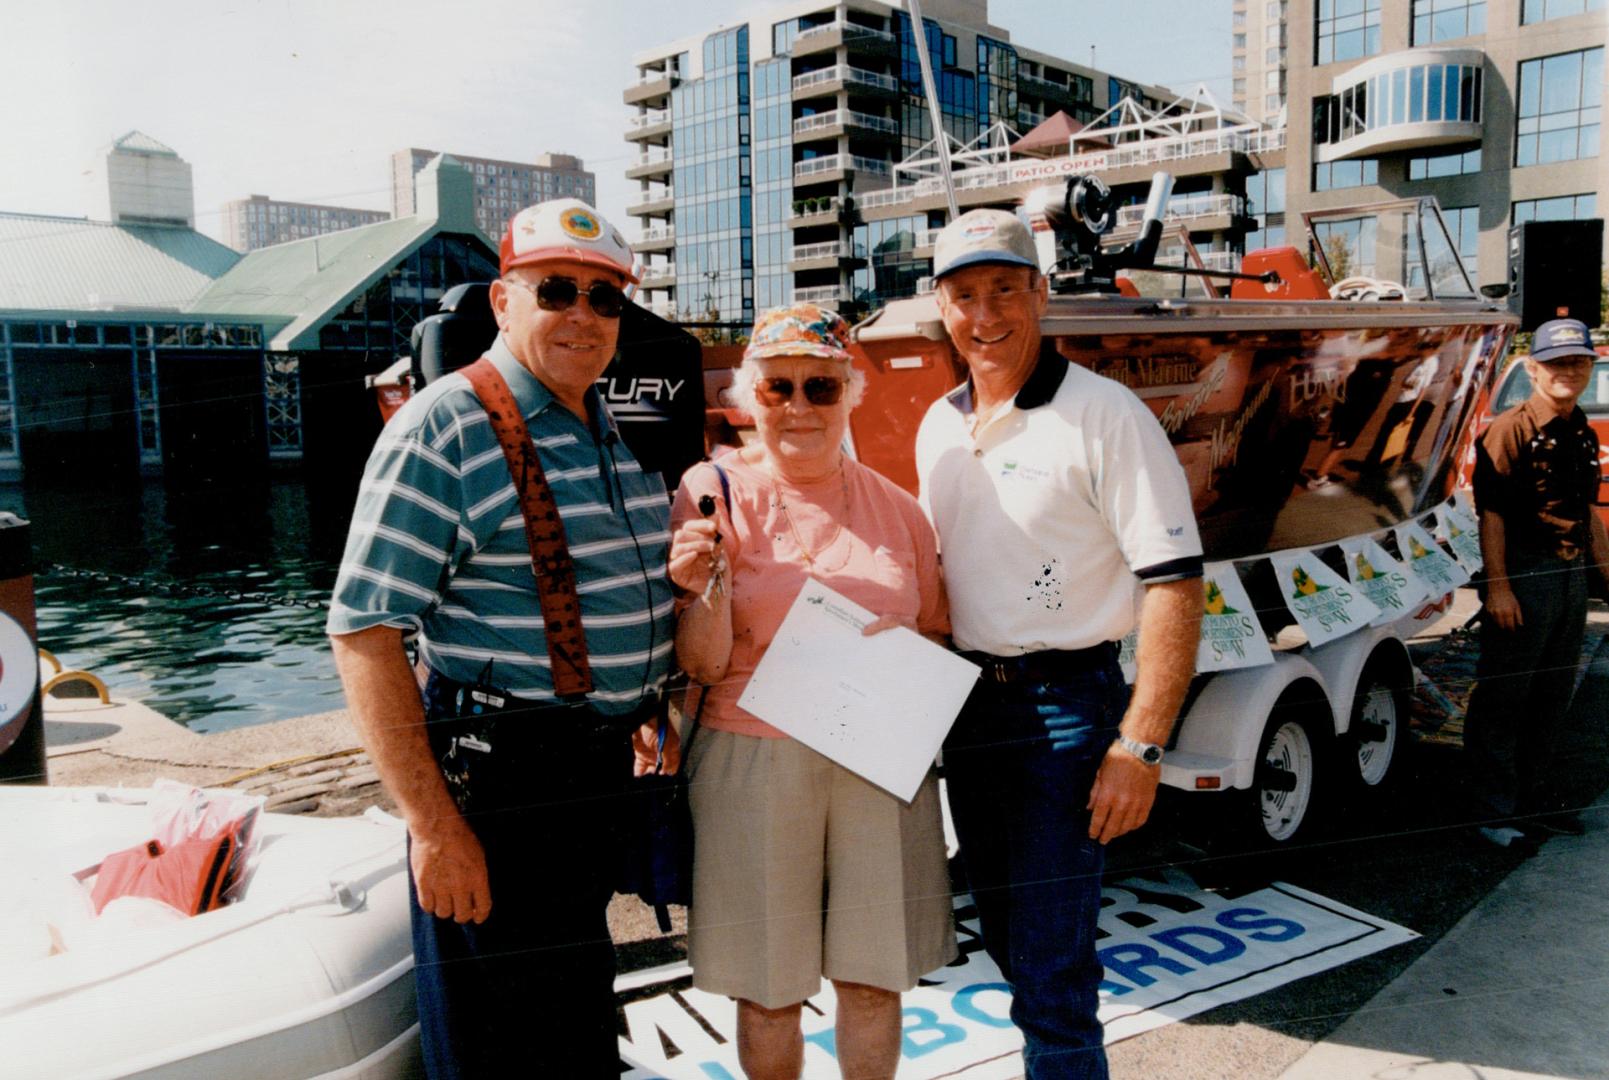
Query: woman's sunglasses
[(559, 294), (818, 390)]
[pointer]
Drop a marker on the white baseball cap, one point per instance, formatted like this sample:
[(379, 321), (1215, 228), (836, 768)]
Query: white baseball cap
[(984, 236), (564, 230)]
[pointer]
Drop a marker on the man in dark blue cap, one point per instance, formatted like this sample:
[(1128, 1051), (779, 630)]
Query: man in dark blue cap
[(1536, 479)]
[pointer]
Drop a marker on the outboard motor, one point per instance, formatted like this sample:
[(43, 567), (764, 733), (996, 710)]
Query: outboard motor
[(1083, 214), (654, 385), (457, 335)]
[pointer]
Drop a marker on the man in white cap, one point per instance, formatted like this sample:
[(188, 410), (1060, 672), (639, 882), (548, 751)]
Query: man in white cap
[(508, 771), (1061, 509)]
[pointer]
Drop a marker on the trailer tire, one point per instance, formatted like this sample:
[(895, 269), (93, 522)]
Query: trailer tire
[(1378, 732), (1291, 782)]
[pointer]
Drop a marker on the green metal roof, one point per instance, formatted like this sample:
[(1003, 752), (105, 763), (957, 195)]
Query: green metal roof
[(309, 281), (73, 264), (141, 143)]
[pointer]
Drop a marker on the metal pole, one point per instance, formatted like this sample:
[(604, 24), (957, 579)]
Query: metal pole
[(940, 140), (22, 722)]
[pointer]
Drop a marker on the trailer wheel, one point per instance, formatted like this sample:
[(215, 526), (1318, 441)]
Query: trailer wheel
[(1288, 780), (1377, 732)]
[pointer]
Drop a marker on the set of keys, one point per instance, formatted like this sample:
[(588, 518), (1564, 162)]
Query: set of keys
[(717, 584)]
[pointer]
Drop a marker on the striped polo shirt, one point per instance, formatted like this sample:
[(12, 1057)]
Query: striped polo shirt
[(438, 543)]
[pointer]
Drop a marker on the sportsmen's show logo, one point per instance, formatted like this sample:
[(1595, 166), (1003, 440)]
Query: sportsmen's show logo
[(1324, 604), (1384, 587), (1224, 629)]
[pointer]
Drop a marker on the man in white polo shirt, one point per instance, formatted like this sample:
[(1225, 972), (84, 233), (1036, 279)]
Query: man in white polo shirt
[(1063, 516)]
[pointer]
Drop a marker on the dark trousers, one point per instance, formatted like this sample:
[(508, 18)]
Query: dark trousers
[(1018, 766), (530, 991), (1525, 678)]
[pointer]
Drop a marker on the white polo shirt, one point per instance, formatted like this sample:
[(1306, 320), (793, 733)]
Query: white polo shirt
[(1054, 517)]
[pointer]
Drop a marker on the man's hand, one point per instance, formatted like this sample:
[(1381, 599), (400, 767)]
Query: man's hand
[(449, 870), (1504, 607), (1121, 797), (645, 750)]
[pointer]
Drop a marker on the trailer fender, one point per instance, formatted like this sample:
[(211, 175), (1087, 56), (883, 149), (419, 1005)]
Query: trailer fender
[(1226, 721), (1342, 663)]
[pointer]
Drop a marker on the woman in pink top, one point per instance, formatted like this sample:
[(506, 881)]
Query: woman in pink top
[(802, 869)]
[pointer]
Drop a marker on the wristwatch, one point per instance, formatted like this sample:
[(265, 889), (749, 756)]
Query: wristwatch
[(1150, 753)]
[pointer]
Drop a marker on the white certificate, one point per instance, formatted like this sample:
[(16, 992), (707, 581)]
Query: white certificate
[(880, 706)]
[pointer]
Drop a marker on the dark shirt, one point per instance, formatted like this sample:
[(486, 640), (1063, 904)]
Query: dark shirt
[(1539, 472)]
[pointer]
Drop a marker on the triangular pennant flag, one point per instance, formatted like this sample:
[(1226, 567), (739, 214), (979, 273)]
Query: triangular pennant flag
[(1440, 572), (1389, 585), (1231, 636), (1325, 605), (1462, 535)]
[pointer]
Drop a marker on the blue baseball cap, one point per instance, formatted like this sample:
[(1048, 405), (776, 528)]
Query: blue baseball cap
[(1560, 338)]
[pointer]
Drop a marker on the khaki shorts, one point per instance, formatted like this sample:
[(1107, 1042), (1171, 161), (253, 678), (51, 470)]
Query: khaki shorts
[(802, 870)]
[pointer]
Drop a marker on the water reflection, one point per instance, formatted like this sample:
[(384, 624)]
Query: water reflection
[(209, 662)]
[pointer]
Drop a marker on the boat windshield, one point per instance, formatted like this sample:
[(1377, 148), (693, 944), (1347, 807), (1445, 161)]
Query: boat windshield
[(1399, 250)]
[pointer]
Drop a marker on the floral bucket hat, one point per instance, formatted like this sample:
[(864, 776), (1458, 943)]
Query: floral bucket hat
[(799, 330)]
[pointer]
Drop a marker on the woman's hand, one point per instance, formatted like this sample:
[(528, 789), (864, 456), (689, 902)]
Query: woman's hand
[(695, 553), (886, 622)]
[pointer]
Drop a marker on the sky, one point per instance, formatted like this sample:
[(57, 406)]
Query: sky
[(306, 100)]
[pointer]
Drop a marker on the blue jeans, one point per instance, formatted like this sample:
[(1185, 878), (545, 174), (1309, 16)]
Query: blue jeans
[(530, 991), (1018, 765)]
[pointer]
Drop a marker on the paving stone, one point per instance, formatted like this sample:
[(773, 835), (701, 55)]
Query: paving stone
[(293, 806)]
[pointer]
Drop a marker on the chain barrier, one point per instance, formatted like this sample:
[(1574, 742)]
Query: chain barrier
[(176, 588)]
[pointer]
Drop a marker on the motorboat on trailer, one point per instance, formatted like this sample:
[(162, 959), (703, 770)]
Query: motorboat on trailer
[(309, 974), (1309, 404)]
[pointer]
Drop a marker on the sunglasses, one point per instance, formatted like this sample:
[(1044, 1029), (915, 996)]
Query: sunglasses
[(818, 390), (560, 293)]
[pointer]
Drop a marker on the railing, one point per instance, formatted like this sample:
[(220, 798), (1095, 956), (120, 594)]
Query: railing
[(663, 272), (651, 198), (844, 116), (1049, 84), (987, 176), (834, 162), (818, 294), (648, 119), (834, 204), (926, 238), (652, 77), (1187, 207), (662, 157), (657, 233), (844, 73), (849, 29), (832, 249), (924, 285)]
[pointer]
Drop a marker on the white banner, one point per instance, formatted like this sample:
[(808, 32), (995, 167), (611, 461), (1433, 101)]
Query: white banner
[(1170, 951), (1325, 605), (1231, 636), (1389, 585), (1440, 572)]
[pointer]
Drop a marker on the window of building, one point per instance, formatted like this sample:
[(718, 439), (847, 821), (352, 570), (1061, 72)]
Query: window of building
[(1453, 163), (1274, 56), (1240, 41), (1559, 108), (1559, 208), (1240, 63), (1273, 34), (1271, 80), (1239, 18), (1271, 103), (1443, 20), (1240, 88), (1329, 175), (1534, 11), (1346, 30)]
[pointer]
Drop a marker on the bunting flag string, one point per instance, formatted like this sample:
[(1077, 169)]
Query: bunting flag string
[(1379, 587)]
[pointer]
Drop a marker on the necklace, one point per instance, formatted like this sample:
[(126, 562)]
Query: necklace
[(798, 539)]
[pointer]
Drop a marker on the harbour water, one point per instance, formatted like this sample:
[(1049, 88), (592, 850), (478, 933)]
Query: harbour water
[(206, 605)]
